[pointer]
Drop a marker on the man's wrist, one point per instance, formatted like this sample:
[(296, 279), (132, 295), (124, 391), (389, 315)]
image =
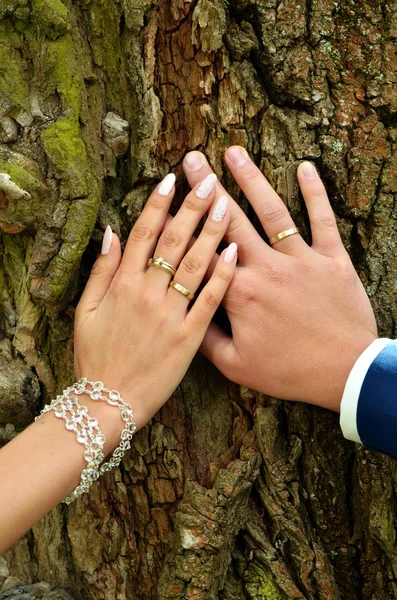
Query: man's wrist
[(352, 390)]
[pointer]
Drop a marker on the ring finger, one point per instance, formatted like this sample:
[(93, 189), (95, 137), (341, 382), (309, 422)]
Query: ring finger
[(195, 263), (176, 236)]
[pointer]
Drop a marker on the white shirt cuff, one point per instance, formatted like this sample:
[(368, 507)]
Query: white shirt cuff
[(351, 394)]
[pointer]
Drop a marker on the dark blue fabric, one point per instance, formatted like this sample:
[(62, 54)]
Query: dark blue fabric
[(377, 403)]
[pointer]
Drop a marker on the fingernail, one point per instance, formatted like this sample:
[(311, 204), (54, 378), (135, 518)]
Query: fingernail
[(193, 161), (309, 170), (237, 156), (107, 240), (230, 252), (166, 186), (220, 209), (206, 186)]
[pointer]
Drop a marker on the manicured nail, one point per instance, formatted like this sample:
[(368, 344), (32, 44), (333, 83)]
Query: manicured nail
[(206, 186), (166, 186), (230, 252), (193, 161), (309, 170), (220, 209), (237, 156), (107, 240)]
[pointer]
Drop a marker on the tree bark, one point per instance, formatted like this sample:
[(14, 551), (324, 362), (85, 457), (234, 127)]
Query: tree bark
[(226, 494)]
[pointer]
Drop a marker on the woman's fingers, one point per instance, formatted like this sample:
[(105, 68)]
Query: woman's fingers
[(211, 296), (196, 262), (144, 234), (325, 234), (214, 258), (240, 229), (176, 236), (271, 210), (101, 276)]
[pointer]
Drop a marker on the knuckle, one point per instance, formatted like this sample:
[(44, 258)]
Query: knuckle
[(191, 265), (273, 213), (224, 275), (250, 172), (97, 269), (241, 293), (193, 204), (155, 202), (324, 220), (140, 233), (317, 190), (275, 274), (170, 239), (211, 300), (211, 229), (149, 302), (235, 224), (183, 337), (343, 269), (122, 283)]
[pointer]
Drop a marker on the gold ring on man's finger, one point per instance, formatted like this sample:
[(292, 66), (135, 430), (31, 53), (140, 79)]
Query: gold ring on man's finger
[(283, 234)]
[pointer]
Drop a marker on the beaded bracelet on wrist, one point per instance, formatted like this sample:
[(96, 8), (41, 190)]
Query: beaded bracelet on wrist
[(87, 428)]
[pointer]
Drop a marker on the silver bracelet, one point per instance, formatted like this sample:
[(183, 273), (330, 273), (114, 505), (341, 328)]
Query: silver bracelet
[(87, 429)]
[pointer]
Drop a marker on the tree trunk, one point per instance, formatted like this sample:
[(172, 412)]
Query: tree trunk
[(226, 494)]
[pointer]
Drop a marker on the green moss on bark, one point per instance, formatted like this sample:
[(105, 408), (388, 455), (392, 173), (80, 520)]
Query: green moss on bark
[(14, 70), (51, 16), (260, 586), (67, 152)]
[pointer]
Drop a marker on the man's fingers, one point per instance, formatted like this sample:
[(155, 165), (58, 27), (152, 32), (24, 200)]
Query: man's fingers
[(219, 348), (271, 210), (240, 229), (325, 234), (101, 276)]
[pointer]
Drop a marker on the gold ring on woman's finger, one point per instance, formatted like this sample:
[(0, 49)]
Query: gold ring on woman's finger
[(283, 234), (159, 263), (182, 290)]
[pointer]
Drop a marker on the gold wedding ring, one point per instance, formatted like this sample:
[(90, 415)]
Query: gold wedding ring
[(159, 263), (283, 234), (182, 290)]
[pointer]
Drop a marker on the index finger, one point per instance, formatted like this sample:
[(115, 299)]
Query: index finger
[(240, 229)]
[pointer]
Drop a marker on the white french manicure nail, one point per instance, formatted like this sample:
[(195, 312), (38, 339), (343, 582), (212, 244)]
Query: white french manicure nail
[(107, 240), (220, 209), (166, 186), (230, 252), (206, 186)]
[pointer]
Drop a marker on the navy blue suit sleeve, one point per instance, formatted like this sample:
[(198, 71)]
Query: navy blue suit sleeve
[(377, 403)]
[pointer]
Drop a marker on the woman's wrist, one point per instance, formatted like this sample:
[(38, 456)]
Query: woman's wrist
[(109, 420)]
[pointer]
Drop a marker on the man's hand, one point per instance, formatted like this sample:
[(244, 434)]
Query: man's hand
[(299, 315)]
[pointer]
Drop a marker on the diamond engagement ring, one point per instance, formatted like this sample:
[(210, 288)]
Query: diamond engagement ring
[(159, 263)]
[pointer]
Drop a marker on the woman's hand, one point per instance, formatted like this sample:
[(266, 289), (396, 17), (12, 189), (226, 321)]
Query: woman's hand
[(299, 315), (133, 331)]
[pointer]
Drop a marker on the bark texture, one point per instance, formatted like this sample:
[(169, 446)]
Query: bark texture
[(226, 494)]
